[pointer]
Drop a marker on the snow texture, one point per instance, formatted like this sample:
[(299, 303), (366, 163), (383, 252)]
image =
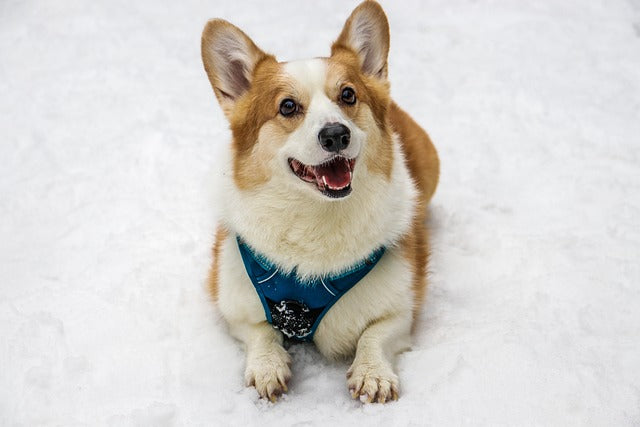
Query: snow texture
[(109, 130)]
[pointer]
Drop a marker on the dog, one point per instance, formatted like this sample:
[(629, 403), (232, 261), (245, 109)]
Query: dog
[(323, 202)]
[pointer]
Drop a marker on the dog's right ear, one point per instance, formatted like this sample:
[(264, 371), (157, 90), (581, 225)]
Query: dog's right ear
[(366, 33), (229, 58)]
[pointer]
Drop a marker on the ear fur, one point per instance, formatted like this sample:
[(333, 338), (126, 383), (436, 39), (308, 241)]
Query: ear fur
[(366, 33), (230, 58)]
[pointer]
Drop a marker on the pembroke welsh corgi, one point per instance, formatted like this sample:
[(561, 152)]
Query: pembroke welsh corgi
[(321, 235)]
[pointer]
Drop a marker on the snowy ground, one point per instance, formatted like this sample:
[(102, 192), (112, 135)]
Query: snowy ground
[(109, 130)]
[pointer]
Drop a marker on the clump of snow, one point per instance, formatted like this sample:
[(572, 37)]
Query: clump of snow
[(110, 128)]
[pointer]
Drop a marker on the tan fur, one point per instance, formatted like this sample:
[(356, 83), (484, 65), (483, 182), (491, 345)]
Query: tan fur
[(424, 165), (252, 112), (214, 272), (420, 152)]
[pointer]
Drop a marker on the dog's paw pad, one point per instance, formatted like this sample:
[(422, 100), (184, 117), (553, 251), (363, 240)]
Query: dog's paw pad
[(372, 384), (269, 373)]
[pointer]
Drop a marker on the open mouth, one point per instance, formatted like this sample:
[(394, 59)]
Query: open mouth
[(333, 178)]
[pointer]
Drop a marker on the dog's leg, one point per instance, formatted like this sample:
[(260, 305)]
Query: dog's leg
[(371, 377), (268, 363)]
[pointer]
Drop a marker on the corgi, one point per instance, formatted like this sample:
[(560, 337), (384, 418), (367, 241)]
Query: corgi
[(323, 202)]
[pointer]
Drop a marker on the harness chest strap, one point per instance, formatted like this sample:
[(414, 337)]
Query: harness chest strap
[(293, 306)]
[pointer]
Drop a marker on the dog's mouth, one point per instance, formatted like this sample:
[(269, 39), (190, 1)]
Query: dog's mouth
[(332, 178)]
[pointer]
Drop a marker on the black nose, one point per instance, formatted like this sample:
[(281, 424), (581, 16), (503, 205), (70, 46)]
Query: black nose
[(334, 137)]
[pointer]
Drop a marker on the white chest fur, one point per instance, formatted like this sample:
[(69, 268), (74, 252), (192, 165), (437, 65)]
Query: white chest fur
[(385, 291), (295, 230), (323, 240)]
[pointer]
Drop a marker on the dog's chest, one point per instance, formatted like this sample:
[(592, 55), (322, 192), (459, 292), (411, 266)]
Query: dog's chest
[(384, 290)]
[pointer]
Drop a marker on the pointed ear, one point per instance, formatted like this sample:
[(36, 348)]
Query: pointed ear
[(229, 58), (366, 33)]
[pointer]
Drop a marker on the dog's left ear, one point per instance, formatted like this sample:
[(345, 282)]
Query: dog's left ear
[(366, 33)]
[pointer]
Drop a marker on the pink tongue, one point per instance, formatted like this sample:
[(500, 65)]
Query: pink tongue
[(336, 174)]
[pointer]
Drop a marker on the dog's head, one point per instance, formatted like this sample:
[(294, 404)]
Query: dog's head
[(316, 127)]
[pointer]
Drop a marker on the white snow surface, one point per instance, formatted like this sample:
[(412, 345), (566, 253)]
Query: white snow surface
[(109, 132)]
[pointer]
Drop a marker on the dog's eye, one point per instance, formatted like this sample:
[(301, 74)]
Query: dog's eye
[(348, 96), (288, 107)]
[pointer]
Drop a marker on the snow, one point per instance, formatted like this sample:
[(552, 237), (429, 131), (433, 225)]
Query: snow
[(109, 133)]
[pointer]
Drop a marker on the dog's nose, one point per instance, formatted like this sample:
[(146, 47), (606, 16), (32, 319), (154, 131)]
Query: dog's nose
[(334, 137)]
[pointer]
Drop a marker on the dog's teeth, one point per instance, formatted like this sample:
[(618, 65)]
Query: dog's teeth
[(324, 180)]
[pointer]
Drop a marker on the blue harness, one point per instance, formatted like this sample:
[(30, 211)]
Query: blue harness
[(293, 306)]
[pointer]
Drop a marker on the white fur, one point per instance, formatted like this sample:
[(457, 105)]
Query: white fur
[(295, 227)]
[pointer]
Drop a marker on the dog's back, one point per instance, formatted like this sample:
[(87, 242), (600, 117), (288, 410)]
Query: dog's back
[(420, 153)]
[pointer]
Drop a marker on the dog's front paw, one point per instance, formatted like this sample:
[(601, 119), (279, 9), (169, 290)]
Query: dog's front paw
[(269, 372), (372, 382)]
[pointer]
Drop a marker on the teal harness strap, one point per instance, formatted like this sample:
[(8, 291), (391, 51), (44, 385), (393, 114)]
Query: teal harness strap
[(293, 306)]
